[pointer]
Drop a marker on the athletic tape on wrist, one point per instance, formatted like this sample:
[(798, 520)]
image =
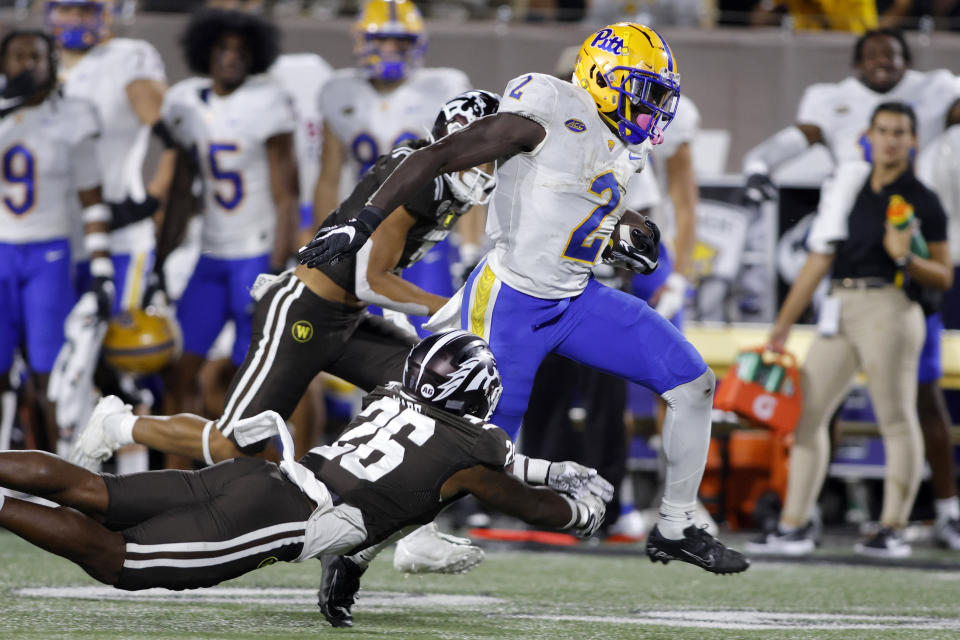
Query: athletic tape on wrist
[(96, 213), (101, 267), (96, 241), (205, 440)]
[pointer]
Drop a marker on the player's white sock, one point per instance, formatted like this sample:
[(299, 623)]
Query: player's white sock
[(3, 498), (947, 508), (686, 438), (121, 427), (674, 518), (132, 459)]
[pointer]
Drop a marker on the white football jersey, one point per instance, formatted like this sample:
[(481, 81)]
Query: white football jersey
[(301, 75), (47, 153), (101, 76), (369, 123), (229, 135), (842, 110), (938, 166), (555, 207)]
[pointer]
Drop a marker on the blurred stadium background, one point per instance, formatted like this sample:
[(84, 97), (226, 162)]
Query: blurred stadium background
[(746, 66)]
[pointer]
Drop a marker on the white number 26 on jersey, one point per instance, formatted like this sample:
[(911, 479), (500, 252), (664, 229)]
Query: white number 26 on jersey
[(387, 423)]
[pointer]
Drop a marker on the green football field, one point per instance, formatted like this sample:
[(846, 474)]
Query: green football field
[(612, 593)]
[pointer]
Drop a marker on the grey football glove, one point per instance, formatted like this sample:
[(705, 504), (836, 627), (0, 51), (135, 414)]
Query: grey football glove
[(577, 480), (588, 514)]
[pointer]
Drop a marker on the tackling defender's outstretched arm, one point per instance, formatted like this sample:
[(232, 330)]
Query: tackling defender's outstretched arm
[(488, 139), (541, 506)]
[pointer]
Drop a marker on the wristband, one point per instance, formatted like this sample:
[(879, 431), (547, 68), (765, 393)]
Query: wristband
[(371, 216), (96, 213), (531, 470), (96, 241), (904, 262), (101, 267)]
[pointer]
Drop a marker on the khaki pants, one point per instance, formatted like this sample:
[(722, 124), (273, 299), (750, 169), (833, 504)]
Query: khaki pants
[(882, 333)]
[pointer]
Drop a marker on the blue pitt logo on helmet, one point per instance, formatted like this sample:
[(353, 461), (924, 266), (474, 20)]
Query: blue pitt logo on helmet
[(390, 38), (79, 24), (633, 78)]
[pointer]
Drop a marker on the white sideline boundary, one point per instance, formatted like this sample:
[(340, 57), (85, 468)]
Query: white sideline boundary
[(384, 601)]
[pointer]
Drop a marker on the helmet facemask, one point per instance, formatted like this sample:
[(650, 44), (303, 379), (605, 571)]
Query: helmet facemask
[(79, 34), (471, 186), (390, 66), (647, 103)]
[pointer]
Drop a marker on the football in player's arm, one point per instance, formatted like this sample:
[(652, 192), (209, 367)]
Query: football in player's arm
[(133, 531)]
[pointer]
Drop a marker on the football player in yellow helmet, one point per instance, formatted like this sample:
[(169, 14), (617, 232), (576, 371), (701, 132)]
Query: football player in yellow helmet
[(390, 39), (630, 72), (570, 149)]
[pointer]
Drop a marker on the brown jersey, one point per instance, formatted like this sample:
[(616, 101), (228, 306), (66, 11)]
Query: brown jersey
[(393, 458)]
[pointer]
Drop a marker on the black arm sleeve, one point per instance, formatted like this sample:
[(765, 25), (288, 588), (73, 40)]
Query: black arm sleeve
[(180, 205), (488, 139)]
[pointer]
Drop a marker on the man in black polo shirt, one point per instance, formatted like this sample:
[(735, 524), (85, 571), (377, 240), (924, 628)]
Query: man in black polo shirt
[(868, 323)]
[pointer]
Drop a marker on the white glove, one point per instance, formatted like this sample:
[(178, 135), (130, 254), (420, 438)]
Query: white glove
[(578, 481), (588, 514), (71, 379), (672, 296)]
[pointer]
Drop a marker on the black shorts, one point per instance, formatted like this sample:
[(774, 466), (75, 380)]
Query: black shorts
[(296, 335), (190, 529)]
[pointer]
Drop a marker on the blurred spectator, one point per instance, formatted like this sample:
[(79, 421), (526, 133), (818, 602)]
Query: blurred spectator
[(876, 225)]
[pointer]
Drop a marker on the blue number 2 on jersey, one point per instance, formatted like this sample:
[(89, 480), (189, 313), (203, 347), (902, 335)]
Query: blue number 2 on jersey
[(583, 245), (22, 175)]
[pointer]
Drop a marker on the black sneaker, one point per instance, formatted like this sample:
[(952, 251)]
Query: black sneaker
[(338, 589), (698, 548), (776, 541), (885, 543)]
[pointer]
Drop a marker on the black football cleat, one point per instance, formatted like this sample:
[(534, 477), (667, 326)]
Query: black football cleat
[(698, 548), (338, 589)]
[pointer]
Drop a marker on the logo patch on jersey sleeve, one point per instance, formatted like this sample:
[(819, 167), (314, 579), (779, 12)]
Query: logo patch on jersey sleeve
[(575, 125)]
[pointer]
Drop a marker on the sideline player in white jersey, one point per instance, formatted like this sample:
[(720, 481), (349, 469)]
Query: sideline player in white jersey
[(238, 126), (301, 75), (48, 163), (387, 98), (837, 115), (570, 148), (125, 80)]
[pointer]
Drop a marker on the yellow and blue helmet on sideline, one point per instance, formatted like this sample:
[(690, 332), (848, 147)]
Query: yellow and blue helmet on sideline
[(90, 25), (380, 20), (142, 341), (630, 72)]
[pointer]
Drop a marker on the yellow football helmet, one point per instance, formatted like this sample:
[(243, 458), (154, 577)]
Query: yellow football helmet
[(79, 24), (141, 342), (632, 76), (396, 20)]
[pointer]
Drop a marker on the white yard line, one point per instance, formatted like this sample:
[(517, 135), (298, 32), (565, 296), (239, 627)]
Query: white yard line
[(391, 601)]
